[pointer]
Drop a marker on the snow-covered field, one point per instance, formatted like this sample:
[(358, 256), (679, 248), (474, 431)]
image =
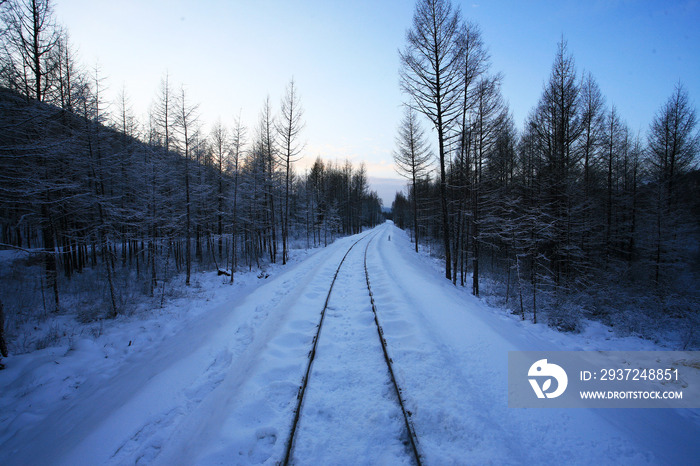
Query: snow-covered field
[(215, 380)]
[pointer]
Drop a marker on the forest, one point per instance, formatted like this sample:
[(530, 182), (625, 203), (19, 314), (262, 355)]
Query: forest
[(573, 216), (570, 216), (113, 208)]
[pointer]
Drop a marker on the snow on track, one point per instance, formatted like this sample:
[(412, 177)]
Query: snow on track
[(247, 423), (350, 413)]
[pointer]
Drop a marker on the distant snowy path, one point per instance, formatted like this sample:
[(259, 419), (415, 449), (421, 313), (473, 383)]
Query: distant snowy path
[(223, 390)]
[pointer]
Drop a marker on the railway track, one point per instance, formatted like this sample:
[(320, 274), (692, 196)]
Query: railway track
[(408, 434)]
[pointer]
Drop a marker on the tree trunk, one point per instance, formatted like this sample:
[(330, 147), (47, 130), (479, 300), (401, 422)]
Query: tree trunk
[(3, 343)]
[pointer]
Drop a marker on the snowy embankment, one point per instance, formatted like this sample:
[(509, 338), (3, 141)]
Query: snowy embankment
[(117, 397), (218, 384), (451, 352)]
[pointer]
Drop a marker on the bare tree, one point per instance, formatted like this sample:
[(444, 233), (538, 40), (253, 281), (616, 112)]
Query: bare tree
[(185, 125), (556, 126), (68, 76), (674, 143), (125, 124), (32, 36), (164, 113), (592, 122), (615, 141), (159, 135), (490, 113), (289, 127), (412, 157), (430, 75), (3, 343), (473, 63), (237, 145), (267, 142), (590, 148), (220, 145)]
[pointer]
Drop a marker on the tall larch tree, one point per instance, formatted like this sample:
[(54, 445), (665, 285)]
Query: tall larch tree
[(430, 75), (289, 127), (186, 121), (674, 143), (412, 158)]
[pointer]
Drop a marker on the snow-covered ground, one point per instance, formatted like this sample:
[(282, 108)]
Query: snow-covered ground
[(215, 381)]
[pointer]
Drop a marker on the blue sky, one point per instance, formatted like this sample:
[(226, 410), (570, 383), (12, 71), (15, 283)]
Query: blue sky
[(343, 56)]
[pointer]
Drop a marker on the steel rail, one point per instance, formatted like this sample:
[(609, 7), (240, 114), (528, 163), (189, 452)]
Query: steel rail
[(312, 355), (413, 438)]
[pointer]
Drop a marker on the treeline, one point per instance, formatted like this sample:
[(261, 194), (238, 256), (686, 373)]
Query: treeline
[(573, 203), (86, 188)]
